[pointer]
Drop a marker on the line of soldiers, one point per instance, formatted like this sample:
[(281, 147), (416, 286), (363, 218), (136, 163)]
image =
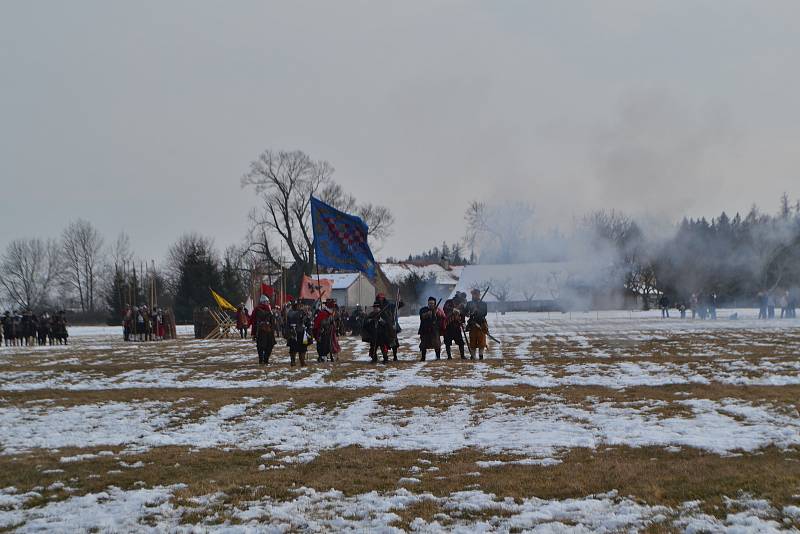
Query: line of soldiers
[(458, 320), (296, 327), (28, 329), (139, 323)]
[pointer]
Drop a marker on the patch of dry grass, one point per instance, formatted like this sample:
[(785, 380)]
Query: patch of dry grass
[(648, 474)]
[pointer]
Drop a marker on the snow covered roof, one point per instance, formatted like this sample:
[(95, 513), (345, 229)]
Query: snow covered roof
[(340, 280), (397, 272), (526, 281)]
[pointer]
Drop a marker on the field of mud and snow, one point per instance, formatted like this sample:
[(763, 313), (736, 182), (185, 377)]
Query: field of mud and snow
[(576, 422)]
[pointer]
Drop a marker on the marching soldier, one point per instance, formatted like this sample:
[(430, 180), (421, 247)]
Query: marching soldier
[(378, 332), (356, 321), (9, 329), (298, 333), (389, 314), (454, 324), (127, 322), (59, 330), (43, 328), (324, 331), (431, 321), (264, 329), (477, 327)]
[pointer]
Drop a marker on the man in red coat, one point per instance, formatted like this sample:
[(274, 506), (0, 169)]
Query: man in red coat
[(324, 331), (242, 320)]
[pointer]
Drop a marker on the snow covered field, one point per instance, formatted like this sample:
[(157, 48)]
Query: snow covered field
[(577, 422)]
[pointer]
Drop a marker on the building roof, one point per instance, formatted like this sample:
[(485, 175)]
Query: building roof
[(340, 280), (527, 281), (397, 272)]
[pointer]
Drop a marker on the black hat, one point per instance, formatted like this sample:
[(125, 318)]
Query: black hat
[(432, 298)]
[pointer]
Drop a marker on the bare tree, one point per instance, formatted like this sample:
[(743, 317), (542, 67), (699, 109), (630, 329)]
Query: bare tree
[(28, 268), (500, 288), (120, 252), (82, 245), (528, 287), (556, 282), (285, 182), (502, 231)]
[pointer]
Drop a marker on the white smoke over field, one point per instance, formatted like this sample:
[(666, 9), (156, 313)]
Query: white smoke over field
[(606, 255)]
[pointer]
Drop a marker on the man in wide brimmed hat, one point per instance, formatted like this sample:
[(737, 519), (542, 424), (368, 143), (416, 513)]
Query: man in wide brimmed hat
[(388, 314), (378, 331), (477, 327)]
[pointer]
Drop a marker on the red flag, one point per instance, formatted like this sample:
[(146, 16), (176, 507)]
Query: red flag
[(313, 290)]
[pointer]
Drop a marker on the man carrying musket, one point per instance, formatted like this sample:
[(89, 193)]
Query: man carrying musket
[(431, 324), (378, 332), (297, 333), (477, 327), (264, 329), (454, 324)]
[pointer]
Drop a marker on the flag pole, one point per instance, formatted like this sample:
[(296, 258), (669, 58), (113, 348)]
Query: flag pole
[(316, 257)]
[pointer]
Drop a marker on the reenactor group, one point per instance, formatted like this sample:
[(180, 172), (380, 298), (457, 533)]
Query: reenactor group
[(295, 324), (459, 322), (29, 329), (139, 323)]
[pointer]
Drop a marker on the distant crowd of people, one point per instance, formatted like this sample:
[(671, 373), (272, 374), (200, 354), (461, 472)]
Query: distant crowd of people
[(29, 329), (770, 301), (704, 305), (140, 323)]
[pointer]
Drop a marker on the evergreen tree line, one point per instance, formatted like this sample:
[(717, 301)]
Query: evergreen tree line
[(452, 253)]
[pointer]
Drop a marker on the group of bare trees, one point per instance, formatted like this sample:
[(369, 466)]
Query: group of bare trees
[(78, 271), (34, 273)]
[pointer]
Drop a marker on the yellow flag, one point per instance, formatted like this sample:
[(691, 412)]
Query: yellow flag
[(221, 302)]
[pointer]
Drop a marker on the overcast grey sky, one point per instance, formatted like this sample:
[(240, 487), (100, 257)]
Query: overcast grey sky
[(142, 116)]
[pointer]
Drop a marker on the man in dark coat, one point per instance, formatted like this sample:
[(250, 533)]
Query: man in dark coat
[(356, 321), (379, 332), (43, 328), (298, 333), (454, 324), (264, 329), (9, 328), (431, 323), (390, 315), (663, 302)]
